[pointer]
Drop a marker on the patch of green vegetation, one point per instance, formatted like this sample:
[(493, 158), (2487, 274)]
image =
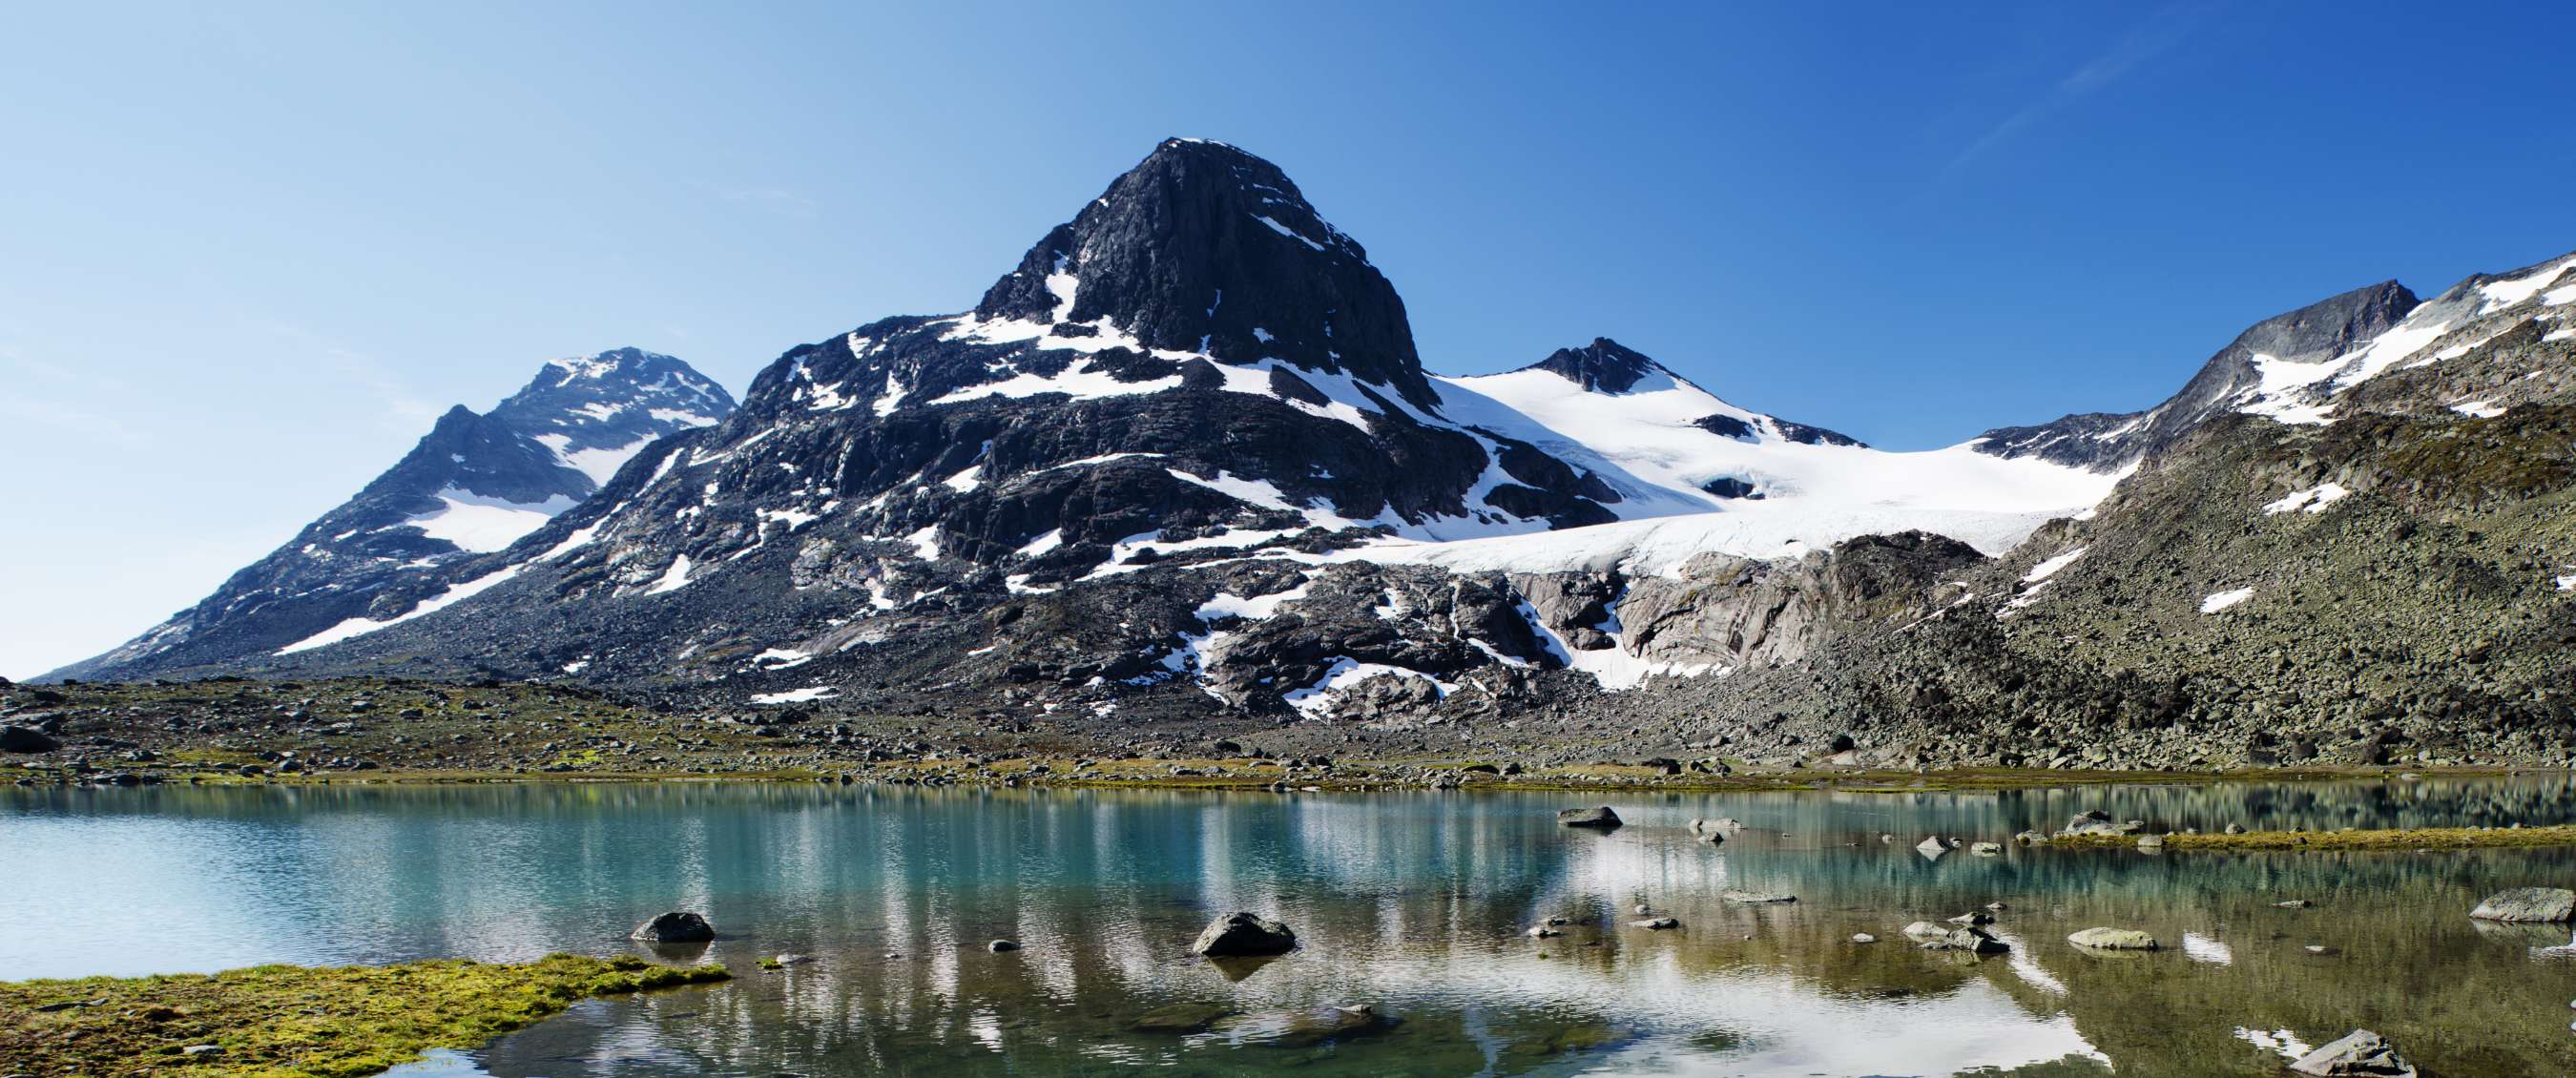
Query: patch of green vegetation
[(2393, 838), (325, 1022)]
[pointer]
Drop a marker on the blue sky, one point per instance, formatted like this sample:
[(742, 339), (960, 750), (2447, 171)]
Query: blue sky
[(251, 250)]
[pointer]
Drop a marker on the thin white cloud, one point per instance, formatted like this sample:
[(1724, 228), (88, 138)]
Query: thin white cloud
[(404, 409), (2162, 29)]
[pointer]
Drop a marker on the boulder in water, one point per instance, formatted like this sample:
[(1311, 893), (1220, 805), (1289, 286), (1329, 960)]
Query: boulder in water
[(999, 946), (674, 927), (1600, 818), (1657, 924), (2527, 904), (2114, 939), (1237, 934), (1755, 898), (1932, 847), (2360, 1054), (1970, 939)]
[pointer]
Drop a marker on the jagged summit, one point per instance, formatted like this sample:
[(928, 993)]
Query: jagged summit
[(1604, 366), (594, 412), (1204, 248)]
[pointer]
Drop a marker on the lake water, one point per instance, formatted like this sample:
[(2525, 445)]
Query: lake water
[(1413, 904)]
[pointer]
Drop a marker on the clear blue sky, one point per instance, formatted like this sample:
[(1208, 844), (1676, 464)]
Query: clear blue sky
[(247, 251)]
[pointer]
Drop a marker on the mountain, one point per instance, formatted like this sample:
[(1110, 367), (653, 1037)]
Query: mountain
[(2253, 371), (473, 485), (1198, 372), (1182, 467)]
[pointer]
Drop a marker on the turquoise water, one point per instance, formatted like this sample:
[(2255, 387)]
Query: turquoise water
[(1411, 904)]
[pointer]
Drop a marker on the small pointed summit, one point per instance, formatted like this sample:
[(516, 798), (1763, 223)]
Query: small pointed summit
[(1604, 366), (1203, 247)]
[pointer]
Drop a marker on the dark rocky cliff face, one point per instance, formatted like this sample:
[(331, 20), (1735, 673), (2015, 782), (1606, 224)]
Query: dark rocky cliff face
[(1205, 248)]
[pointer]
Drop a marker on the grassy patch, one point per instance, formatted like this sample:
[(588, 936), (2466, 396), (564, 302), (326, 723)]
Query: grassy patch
[(2392, 838), (326, 1022)]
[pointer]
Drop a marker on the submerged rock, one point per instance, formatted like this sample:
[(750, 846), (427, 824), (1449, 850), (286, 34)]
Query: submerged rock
[(1180, 1018), (1540, 932), (1244, 934), (1657, 923), (1755, 898), (1973, 917), (2527, 904), (1987, 849), (2360, 1054), (1332, 1023), (1601, 818), (999, 946), (2113, 939), (1723, 825), (674, 927)]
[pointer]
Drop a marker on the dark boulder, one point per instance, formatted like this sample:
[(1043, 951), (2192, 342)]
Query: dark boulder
[(674, 927), (26, 739), (1240, 934), (1600, 818)]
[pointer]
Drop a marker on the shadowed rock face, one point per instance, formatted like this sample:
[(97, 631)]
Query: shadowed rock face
[(1604, 366), (1205, 248)]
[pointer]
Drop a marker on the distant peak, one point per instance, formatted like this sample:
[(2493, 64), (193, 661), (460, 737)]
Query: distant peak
[(1604, 366)]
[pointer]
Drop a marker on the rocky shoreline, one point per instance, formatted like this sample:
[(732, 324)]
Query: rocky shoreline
[(365, 730)]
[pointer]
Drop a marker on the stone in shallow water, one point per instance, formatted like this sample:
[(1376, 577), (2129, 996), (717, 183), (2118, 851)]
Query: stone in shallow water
[(2360, 1054), (1973, 940), (999, 946), (1932, 847), (1755, 897), (1601, 818), (674, 927), (2114, 939), (2528, 904), (1180, 1018), (1244, 934), (1657, 923), (1863, 937)]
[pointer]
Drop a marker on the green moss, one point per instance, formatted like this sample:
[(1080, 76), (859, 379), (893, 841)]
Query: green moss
[(326, 1022), (2394, 838)]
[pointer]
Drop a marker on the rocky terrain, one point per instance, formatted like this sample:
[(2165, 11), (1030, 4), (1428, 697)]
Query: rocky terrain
[(1180, 477)]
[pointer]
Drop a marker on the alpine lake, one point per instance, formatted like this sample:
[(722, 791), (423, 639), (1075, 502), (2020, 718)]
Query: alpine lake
[(1415, 906)]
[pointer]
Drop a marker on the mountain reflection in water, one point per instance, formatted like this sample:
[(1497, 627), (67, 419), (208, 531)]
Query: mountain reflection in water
[(1411, 904)]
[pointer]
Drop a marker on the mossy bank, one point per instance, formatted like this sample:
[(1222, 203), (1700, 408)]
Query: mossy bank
[(326, 1022)]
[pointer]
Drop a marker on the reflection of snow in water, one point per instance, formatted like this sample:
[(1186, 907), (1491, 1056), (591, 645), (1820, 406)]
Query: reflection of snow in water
[(2279, 1040), (2204, 949)]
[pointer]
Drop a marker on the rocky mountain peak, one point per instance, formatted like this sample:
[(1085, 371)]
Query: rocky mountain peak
[(1604, 366), (1205, 248), (2321, 331)]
